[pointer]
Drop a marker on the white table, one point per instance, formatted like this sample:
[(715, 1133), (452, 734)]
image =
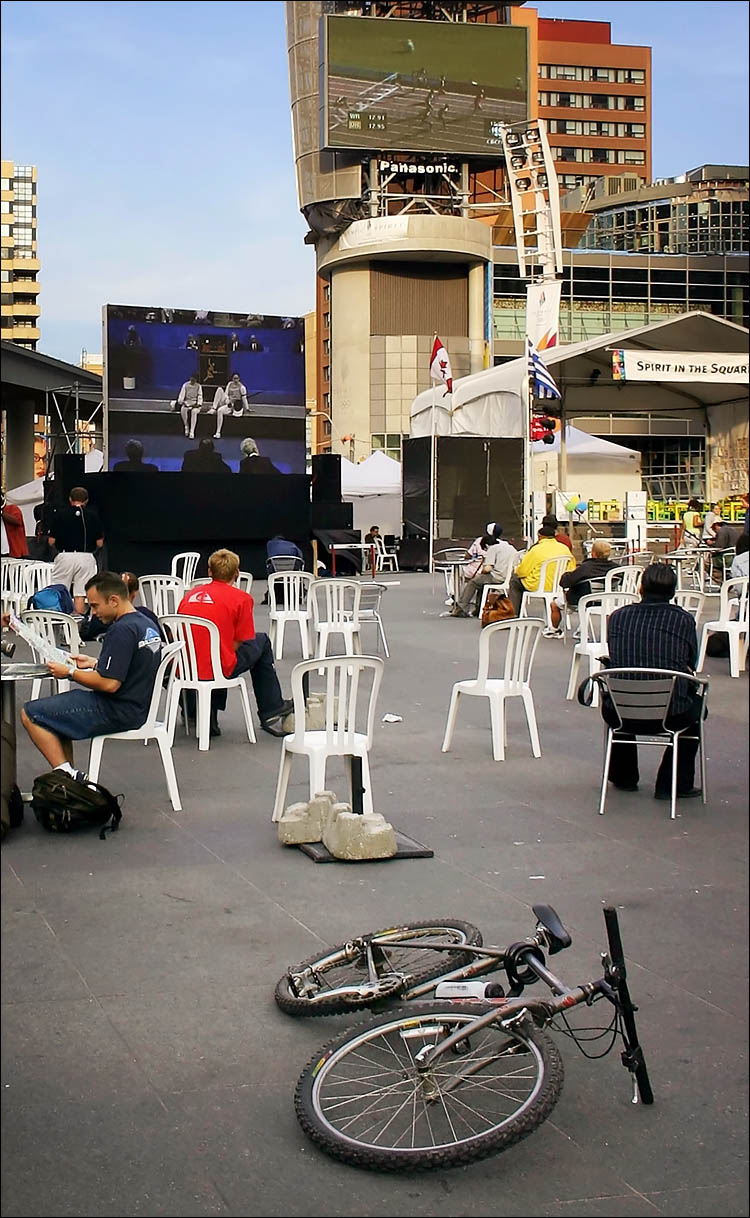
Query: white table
[(354, 545)]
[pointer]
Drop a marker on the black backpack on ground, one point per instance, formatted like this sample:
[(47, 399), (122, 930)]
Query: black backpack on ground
[(62, 804)]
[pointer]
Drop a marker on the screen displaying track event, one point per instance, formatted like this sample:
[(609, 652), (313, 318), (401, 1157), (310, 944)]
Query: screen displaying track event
[(175, 378), (422, 86)]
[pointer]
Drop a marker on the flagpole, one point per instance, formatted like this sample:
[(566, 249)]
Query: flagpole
[(432, 476), (528, 499)]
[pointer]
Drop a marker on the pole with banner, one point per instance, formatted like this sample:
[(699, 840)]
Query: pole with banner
[(440, 374)]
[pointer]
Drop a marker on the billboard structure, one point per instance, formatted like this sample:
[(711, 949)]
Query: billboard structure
[(175, 376), (421, 86)]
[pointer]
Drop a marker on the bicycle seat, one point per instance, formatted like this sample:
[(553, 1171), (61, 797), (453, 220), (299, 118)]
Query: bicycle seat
[(558, 935)]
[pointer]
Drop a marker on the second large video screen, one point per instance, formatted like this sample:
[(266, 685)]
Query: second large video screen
[(422, 86)]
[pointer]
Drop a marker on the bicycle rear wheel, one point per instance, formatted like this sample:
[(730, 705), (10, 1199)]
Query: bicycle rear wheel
[(364, 1101), (337, 981)]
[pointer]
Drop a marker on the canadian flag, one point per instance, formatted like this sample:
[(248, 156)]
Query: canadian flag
[(440, 365)]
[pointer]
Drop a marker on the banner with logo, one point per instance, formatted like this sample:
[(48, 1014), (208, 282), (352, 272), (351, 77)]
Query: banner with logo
[(710, 367), (543, 313)]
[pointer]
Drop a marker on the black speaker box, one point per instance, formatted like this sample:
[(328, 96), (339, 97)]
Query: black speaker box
[(414, 554), (332, 515), (69, 470), (326, 478)]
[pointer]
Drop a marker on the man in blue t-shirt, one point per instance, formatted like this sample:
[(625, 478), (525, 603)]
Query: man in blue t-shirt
[(113, 693)]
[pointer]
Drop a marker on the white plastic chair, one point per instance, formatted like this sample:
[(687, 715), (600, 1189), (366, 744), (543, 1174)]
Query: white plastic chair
[(522, 636), (244, 581), (623, 579), (550, 572), (594, 611), (369, 610), (348, 706), (36, 575), (185, 565), (284, 562), (691, 601), (645, 694), (184, 629), (13, 586), (291, 605), (732, 599), (153, 729), (383, 556), (335, 610), (59, 630), (161, 593)]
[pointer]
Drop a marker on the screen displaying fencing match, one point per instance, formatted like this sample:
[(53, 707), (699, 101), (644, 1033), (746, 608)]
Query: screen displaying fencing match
[(174, 377), (422, 86)]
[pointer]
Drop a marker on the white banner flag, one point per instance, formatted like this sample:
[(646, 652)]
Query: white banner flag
[(440, 365), (543, 313), (711, 367)]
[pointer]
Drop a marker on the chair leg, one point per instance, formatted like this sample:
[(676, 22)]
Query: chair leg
[(317, 773), (734, 654), (272, 634), (166, 759), (497, 725), (702, 649), (605, 771), (95, 757), (203, 718), (245, 700), (304, 638), (278, 650), (702, 752), (673, 805), (528, 705), (367, 804), (382, 635), (451, 723), (285, 769), (575, 665)]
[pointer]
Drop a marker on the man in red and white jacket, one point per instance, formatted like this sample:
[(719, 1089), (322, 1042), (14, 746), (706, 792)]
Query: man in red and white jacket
[(13, 531), (241, 649)]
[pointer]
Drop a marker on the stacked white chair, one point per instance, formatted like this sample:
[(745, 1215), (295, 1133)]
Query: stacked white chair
[(522, 636), (185, 565), (371, 595), (153, 729), (732, 620), (551, 571), (594, 611), (288, 604), (183, 629), (58, 630), (335, 611), (161, 593), (349, 706)]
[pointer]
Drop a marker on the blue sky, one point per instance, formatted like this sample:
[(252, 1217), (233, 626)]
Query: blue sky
[(163, 141)]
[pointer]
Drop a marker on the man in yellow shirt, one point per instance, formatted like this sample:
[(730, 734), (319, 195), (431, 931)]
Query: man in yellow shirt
[(526, 575)]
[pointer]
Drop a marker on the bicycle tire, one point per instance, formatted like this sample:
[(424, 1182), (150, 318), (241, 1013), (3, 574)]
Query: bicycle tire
[(421, 966), (448, 1129)]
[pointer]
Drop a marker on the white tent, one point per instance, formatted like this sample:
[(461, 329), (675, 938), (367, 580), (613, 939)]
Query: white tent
[(596, 468), (374, 489)]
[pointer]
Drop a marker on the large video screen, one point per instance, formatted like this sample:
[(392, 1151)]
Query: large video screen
[(174, 377), (422, 86)]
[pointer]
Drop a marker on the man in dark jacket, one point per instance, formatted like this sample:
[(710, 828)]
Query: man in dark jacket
[(204, 460), (135, 463), (576, 583), (76, 532), (252, 462)]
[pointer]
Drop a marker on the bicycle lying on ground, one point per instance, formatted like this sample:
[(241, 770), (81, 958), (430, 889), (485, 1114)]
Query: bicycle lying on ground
[(445, 1083)]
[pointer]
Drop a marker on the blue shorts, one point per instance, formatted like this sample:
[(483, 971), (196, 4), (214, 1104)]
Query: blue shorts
[(77, 715)]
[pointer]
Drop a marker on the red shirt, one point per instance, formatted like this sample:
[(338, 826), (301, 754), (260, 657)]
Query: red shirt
[(15, 530), (231, 610), (563, 537)]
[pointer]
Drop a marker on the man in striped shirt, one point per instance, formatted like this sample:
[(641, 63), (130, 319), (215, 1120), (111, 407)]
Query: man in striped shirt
[(654, 633)]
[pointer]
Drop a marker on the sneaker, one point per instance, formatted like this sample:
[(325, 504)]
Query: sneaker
[(457, 611), (550, 633), (577, 635)]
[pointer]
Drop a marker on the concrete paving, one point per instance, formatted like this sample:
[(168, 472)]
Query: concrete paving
[(147, 1071)]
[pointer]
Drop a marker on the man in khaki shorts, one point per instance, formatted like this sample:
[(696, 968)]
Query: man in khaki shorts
[(77, 533)]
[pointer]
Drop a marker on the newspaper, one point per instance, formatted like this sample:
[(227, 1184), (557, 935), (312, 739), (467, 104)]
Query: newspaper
[(46, 652)]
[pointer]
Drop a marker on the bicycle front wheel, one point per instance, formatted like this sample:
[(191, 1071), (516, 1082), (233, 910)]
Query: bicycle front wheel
[(364, 1101), (339, 980)]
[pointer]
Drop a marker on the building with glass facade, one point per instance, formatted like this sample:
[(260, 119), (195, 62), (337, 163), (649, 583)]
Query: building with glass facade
[(20, 259)]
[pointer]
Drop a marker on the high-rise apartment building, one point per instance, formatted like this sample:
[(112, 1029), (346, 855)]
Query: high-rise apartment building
[(20, 258), (595, 96)]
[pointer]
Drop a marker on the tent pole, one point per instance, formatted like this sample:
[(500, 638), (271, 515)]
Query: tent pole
[(432, 482)]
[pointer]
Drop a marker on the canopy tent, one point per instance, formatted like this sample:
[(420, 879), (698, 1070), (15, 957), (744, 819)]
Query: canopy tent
[(596, 468), (374, 489), (492, 402)]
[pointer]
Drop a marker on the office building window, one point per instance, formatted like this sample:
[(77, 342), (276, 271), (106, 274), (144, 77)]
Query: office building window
[(631, 156), (23, 190), (389, 443), (631, 103), (5, 184), (6, 230), (24, 171), (631, 76)]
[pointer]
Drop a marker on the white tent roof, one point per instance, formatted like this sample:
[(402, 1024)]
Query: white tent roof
[(377, 475), (580, 444), (489, 403)]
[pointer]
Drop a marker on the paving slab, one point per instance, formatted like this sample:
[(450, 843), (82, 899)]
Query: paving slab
[(146, 1069)]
